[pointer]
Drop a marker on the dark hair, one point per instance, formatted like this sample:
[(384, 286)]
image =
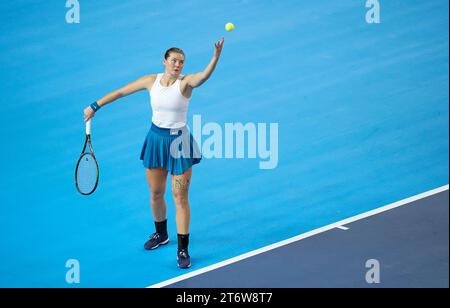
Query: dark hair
[(173, 49)]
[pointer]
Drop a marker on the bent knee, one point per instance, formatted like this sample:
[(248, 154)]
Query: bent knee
[(157, 194)]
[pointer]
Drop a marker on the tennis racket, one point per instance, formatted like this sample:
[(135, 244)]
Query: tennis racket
[(86, 171)]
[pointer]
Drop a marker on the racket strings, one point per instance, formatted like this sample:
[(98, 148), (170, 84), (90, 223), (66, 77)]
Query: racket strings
[(87, 174)]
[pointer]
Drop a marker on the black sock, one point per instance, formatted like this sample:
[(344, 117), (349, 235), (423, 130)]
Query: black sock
[(161, 227), (183, 241)]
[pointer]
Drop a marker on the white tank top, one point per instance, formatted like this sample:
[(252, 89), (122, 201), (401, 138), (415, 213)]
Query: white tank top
[(169, 106)]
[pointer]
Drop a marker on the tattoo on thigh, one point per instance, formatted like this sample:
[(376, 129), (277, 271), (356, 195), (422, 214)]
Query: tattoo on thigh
[(181, 184)]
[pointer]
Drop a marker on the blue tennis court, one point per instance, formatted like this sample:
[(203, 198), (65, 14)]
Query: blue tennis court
[(359, 115), (404, 245)]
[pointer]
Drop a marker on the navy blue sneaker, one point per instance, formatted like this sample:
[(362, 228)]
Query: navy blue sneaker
[(156, 239), (184, 260)]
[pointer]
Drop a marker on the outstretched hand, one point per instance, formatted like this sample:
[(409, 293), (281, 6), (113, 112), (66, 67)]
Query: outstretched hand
[(218, 47)]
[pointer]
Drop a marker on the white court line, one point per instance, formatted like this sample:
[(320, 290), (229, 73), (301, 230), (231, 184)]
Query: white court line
[(343, 228), (302, 236)]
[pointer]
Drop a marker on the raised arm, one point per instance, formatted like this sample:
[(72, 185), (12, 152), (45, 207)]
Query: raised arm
[(196, 80), (133, 87)]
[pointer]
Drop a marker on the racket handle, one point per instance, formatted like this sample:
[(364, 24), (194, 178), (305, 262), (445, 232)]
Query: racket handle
[(88, 127)]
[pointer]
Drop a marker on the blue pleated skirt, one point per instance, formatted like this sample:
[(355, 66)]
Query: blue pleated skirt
[(172, 149)]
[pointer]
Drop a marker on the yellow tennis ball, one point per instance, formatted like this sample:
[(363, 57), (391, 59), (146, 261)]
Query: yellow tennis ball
[(229, 27)]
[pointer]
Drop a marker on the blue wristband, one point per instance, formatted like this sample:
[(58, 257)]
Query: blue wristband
[(95, 106)]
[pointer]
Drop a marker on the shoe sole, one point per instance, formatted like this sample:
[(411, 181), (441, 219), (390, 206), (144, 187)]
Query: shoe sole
[(162, 243)]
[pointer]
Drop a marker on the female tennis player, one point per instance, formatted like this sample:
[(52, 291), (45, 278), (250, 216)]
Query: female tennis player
[(170, 93)]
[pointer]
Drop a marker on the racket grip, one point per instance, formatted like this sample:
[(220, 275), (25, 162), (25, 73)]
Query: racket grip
[(88, 127)]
